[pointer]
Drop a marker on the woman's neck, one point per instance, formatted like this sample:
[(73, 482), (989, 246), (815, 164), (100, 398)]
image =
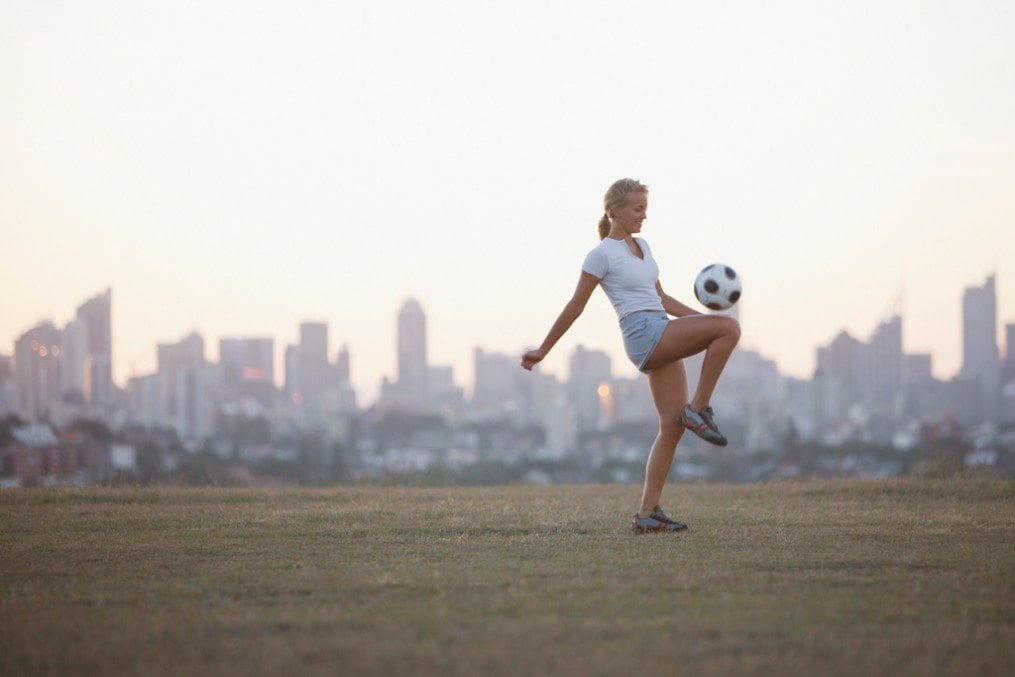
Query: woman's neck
[(620, 234)]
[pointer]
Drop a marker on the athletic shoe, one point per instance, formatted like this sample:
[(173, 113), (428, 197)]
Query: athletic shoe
[(658, 513), (640, 525), (701, 424), (707, 414)]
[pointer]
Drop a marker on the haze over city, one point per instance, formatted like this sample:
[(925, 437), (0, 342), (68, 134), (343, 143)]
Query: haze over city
[(237, 169)]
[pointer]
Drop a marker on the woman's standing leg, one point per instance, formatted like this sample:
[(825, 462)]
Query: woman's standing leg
[(668, 384)]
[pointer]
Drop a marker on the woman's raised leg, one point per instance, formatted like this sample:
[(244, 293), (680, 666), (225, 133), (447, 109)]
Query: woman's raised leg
[(717, 335)]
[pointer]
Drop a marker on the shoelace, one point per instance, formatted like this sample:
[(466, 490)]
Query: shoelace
[(706, 415), (662, 516), (689, 423)]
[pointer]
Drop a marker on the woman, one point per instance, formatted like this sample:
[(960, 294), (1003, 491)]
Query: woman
[(623, 265)]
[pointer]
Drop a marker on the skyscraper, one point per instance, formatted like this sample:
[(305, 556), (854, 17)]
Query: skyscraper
[(193, 406), (312, 361), (73, 358), (1008, 368), (292, 374), (589, 370), (980, 359), (343, 369), (189, 382), (412, 358), (247, 368), (341, 392), (37, 369), (314, 342), (188, 352), (836, 377), (98, 378), (881, 368), (8, 391), (307, 370), (1008, 376), (497, 390), (148, 402), (919, 389)]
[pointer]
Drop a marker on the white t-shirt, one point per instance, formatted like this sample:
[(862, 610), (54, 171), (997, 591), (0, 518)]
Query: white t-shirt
[(629, 282)]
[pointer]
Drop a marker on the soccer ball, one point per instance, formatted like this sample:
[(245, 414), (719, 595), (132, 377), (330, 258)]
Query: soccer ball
[(717, 286)]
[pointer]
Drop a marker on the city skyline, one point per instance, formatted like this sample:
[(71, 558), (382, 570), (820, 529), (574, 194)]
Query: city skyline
[(239, 170), (410, 324), (871, 409)]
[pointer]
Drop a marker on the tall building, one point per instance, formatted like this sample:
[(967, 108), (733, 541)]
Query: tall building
[(442, 393), (919, 385), (98, 377), (632, 400), (835, 378), (193, 404), (1008, 376), (1008, 367), (247, 368), (187, 352), (312, 360), (148, 402), (37, 370), (551, 408), (342, 393), (589, 371), (497, 392), (750, 392), (8, 393), (873, 383), (314, 342), (413, 372), (189, 385), (292, 374), (980, 358), (308, 373), (343, 369), (73, 359), (881, 366)]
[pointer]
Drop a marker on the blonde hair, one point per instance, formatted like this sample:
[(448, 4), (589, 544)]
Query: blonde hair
[(615, 197)]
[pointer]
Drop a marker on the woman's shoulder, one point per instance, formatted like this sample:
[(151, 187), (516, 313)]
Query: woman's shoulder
[(605, 245), (597, 261)]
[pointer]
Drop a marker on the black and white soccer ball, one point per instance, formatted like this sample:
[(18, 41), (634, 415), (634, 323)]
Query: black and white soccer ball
[(717, 286)]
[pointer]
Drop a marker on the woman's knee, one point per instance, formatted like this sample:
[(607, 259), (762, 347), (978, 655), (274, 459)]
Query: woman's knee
[(731, 327), (670, 428)]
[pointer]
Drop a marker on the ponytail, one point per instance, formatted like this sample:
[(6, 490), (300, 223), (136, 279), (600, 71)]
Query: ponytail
[(616, 196)]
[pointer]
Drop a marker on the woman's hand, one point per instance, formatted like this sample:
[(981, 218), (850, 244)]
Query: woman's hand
[(531, 358)]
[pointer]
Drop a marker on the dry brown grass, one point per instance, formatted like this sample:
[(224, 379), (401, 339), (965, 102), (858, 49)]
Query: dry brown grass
[(890, 577)]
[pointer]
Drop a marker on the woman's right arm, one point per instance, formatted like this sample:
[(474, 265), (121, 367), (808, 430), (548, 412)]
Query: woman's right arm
[(572, 309)]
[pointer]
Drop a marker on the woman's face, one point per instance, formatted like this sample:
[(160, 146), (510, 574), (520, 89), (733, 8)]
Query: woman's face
[(630, 214)]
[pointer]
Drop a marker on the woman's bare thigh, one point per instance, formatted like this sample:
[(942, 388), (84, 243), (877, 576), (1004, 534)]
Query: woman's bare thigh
[(686, 336), (668, 384)]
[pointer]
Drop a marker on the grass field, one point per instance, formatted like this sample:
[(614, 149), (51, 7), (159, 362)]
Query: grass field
[(810, 578)]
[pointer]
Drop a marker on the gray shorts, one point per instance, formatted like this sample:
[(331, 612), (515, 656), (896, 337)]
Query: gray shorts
[(642, 331)]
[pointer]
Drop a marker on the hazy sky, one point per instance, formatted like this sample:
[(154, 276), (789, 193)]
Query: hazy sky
[(237, 167)]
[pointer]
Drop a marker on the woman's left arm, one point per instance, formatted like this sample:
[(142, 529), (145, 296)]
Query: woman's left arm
[(672, 306)]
